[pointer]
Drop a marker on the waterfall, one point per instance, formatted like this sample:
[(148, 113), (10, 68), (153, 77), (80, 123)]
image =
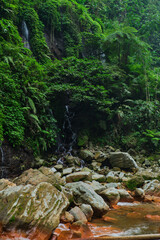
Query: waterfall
[(25, 35), (2, 167), (65, 147)]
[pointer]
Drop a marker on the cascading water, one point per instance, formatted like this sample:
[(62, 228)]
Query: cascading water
[(25, 35), (2, 166), (65, 147)]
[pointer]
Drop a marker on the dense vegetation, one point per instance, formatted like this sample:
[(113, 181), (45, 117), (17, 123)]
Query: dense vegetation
[(99, 57)]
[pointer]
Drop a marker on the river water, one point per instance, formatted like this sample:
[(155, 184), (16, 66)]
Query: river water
[(124, 219)]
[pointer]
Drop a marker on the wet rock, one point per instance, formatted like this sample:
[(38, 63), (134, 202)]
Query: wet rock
[(125, 196), (98, 177), (152, 188), (84, 193), (37, 207), (77, 176), (122, 160), (86, 155), (87, 210), (67, 218), (139, 193), (34, 177), (78, 215), (111, 195)]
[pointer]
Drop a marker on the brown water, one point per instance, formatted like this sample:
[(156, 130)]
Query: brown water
[(128, 219), (123, 220)]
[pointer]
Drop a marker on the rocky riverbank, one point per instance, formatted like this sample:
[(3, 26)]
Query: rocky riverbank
[(33, 204)]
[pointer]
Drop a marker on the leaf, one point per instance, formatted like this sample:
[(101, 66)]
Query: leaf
[(34, 117), (32, 105)]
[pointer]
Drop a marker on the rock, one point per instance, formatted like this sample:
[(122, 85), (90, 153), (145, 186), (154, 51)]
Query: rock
[(100, 156), (134, 182), (112, 185), (67, 171), (84, 193), (34, 177), (87, 210), (75, 177), (132, 152), (78, 215), (58, 167), (4, 183), (111, 195), (139, 193), (96, 165), (72, 161), (86, 155), (37, 207), (122, 160), (111, 177), (152, 188), (125, 196), (147, 174), (97, 187), (67, 218), (98, 177), (147, 163)]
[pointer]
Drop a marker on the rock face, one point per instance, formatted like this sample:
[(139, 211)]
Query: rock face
[(36, 206), (122, 160), (84, 193), (39, 206)]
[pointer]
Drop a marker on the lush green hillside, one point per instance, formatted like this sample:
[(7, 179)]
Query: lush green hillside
[(100, 57)]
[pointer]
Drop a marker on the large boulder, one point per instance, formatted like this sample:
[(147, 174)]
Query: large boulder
[(122, 160), (34, 177), (35, 207), (84, 193)]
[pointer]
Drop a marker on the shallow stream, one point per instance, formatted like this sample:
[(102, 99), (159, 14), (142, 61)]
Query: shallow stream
[(124, 219)]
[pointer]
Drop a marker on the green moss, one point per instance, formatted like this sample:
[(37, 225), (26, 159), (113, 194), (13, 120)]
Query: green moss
[(135, 182)]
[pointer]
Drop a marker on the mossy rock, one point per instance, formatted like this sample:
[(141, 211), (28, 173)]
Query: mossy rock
[(135, 182)]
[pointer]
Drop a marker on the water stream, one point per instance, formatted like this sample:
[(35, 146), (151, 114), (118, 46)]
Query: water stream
[(124, 220), (25, 35), (3, 171), (65, 145)]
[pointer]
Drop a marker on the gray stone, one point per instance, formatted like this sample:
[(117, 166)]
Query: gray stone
[(122, 160), (84, 193), (39, 206), (152, 188), (58, 167), (125, 196), (67, 171), (77, 176), (78, 214), (86, 155), (98, 177), (111, 195), (100, 156), (97, 187), (87, 210), (139, 193)]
